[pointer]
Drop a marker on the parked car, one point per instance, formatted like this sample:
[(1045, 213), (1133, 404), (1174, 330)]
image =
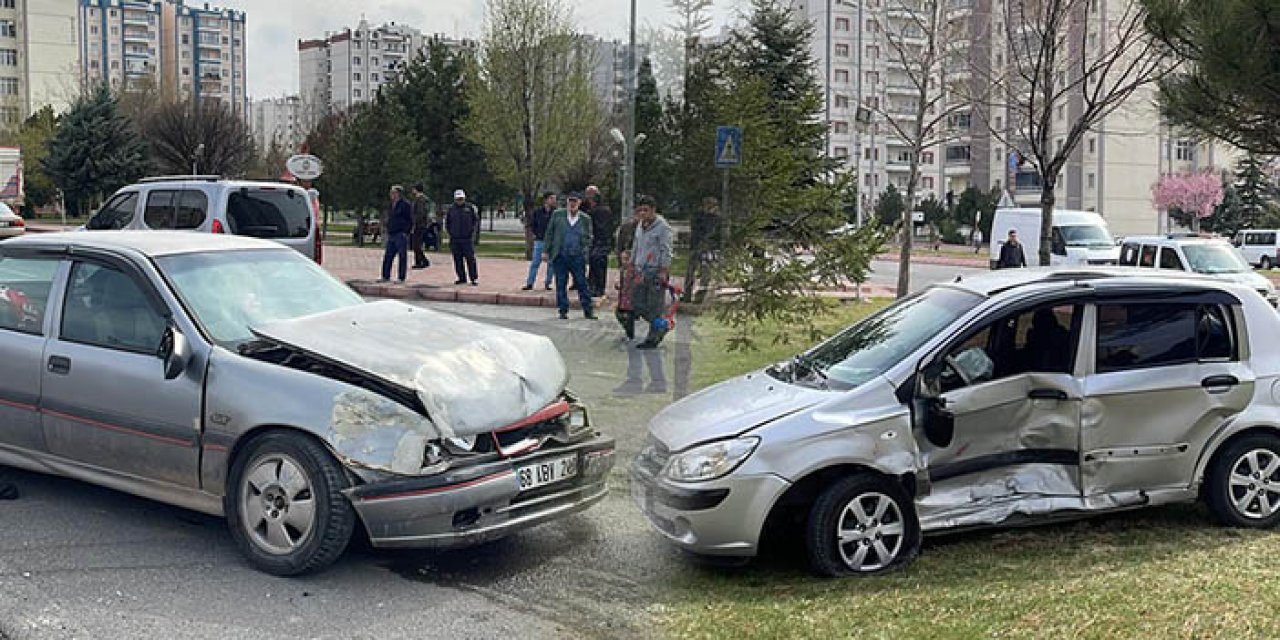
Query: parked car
[(235, 377), (1079, 237), (1016, 397), (11, 224), (274, 211), (1209, 256), (1259, 246)]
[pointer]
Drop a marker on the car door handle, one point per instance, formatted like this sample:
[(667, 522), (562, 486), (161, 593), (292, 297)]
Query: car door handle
[(60, 365), (1047, 394), (1216, 383)]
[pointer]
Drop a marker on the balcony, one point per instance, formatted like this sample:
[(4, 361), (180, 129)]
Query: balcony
[(209, 25), (902, 88), (137, 35), (211, 76), (136, 18), (1026, 182)]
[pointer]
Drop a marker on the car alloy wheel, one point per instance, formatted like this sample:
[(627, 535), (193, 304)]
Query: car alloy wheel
[(278, 504), (1253, 486), (870, 532), (862, 524)]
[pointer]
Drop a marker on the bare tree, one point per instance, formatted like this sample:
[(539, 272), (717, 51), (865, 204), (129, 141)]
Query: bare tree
[(204, 132), (1071, 64), (928, 42)]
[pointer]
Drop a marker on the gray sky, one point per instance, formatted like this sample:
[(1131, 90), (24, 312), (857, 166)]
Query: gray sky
[(275, 26)]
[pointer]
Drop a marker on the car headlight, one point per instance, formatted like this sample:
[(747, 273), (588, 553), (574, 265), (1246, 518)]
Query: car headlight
[(710, 461)]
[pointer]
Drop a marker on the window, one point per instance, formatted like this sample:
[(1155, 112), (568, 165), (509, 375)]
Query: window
[(1092, 181), (107, 308), (356, 77), (842, 75), (1169, 259), (1185, 151), (1093, 145), (842, 102), (373, 77), (842, 50), (186, 38), (873, 77), (873, 52), (1134, 336), (25, 285), (9, 57), (356, 61), (999, 123), (1129, 255), (117, 213), (842, 24), (356, 93), (269, 213), (926, 157), (840, 127), (1148, 256), (959, 153), (374, 60), (8, 29), (7, 4), (1032, 341), (926, 182), (1062, 113), (175, 209), (841, 152), (873, 26)]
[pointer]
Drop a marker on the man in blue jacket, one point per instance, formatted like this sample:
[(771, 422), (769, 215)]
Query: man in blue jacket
[(399, 226), (463, 224), (567, 245)]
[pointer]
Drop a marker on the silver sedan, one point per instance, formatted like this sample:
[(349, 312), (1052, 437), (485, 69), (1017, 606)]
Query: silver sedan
[(11, 224)]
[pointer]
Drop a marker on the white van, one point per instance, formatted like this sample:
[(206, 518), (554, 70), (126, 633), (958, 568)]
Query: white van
[(1259, 246), (1079, 237)]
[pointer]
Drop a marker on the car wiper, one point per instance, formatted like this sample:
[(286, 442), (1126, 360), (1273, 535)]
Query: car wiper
[(811, 365)]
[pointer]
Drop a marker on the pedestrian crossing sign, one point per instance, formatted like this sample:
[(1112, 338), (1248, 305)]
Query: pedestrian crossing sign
[(728, 147)]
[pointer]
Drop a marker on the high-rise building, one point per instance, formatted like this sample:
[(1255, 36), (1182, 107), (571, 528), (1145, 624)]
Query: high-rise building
[(38, 57), (1111, 171), (348, 67), (609, 73), (185, 50), (279, 121)]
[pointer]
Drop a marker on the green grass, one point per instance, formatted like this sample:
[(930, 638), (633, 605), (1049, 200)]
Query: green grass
[(713, 361), (1168, 572)]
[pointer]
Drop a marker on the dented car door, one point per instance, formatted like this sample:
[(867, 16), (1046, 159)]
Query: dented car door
[(1166, 375), (1002, 421)]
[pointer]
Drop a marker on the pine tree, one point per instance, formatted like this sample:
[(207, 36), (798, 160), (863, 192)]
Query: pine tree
[(31, 137), (890, 206), (95, 151), (652, 174), (1251, 186)]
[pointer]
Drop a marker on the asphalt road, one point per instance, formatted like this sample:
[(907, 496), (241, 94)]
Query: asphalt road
[(81, 561), (922, 275)]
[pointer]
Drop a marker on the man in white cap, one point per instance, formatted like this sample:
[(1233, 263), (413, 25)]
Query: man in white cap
[(463, 224)]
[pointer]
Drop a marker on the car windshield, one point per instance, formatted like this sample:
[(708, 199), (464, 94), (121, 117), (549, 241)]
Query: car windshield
[(231, 291), (1086, 236), (1214, 257), (870, 347)]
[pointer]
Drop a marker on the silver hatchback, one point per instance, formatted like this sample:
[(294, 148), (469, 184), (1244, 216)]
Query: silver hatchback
[(1017, 397), (235, 377)]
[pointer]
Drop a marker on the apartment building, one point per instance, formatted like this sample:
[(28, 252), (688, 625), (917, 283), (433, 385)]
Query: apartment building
[(609, 72), (1111, 171), (185, 50), (280, 121), (38, 57)]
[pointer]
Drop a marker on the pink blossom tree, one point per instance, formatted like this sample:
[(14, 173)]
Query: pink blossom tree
[(1195, 194)]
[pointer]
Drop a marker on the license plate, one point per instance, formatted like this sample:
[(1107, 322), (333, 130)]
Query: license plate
[(547, 472)]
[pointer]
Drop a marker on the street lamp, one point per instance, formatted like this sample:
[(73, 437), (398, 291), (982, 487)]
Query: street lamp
[(195, 159), (629, 150), (628, 180)]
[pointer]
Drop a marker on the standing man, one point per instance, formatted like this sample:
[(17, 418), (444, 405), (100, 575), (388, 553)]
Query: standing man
[(604, 226), (651, 259), (1011, 255), (421, 224), (463, 224), (399, 225), (568, 240), (537, 224)]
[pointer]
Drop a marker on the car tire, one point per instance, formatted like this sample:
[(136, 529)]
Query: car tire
[(1264, 262), (863, 524), (269, 484), (1242, 487)]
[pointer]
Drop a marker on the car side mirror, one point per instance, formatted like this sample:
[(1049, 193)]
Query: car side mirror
[(175, 351)]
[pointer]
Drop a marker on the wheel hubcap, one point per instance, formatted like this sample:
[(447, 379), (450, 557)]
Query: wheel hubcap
[(871, 532), (1253, 487), (277, 504)]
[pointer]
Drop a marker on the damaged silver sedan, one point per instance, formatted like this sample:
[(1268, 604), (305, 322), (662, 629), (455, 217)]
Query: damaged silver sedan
[(230, 376), (1013, 398)]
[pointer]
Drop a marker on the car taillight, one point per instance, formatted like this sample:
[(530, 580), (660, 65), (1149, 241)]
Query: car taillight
[(217, 227), (19, 223), (315, 220)]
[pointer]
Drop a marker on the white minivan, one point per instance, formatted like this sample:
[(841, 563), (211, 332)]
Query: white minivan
[(1259, 246), (1079, 237)]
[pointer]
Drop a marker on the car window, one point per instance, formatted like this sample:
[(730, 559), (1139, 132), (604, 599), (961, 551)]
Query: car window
[(1129, 255), (1033, 341), (1169, 259), (1143, 335), (25, 285), (266, 212), (107, 308), (190, 209), (1148, 257), (117, 213), (1269, 238), (158, 214)]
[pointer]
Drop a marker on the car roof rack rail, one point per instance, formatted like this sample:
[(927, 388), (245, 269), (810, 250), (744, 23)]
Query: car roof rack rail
[(202, 178)]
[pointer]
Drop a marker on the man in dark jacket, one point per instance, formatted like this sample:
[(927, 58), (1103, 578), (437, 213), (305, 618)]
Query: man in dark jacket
[(399, 226), (1011, 255), (604, 226), (421, 223), (537, 222), (463, 224), (567, 244)]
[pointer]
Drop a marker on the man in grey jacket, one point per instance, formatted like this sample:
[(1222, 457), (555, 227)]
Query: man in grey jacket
[(651, 254)]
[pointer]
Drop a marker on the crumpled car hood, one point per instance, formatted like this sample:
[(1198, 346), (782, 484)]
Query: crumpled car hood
[(471, 377), (730, 408)]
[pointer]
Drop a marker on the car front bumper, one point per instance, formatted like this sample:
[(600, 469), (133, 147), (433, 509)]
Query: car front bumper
[(472, 505), (723, 517)]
